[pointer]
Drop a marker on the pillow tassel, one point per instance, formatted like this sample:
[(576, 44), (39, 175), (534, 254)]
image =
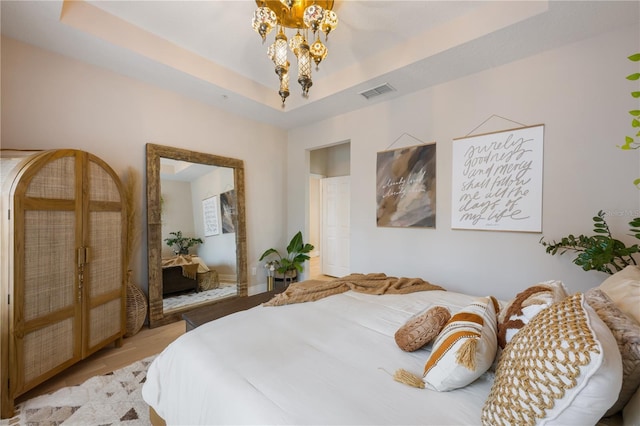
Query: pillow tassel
[(403, 376), (466, 355)]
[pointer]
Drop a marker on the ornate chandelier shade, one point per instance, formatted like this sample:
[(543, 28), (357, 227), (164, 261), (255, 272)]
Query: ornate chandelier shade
[(307, 17)]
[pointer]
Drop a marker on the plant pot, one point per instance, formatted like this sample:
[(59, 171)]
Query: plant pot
[(288, 277)]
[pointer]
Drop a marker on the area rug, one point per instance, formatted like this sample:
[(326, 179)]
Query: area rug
[(190, 299), (112, 399)]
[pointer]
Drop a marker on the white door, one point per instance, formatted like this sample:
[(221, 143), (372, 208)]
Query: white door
[(335, 225)]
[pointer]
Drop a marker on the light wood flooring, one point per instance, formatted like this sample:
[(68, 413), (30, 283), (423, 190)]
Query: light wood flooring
[(145, 343), (314, 270)]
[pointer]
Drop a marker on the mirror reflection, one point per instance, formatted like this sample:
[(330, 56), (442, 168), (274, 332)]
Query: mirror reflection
[(196, 231), (198, 227)]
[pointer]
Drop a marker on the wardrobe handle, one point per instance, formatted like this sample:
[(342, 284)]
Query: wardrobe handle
[(81, 255), (83, 259)]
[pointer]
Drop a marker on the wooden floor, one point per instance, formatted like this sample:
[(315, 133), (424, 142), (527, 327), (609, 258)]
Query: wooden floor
[(145, 343), (314, 270)]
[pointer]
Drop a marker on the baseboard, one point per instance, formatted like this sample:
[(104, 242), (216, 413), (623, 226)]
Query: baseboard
[(257, 288), (227, 278)]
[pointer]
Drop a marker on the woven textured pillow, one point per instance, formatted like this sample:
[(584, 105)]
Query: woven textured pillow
[(422, 328), (526, 305), (465, 348), (623, 288), (562, 368), (627, 334)]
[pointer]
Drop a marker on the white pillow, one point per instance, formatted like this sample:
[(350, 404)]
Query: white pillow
[(465, 348), (623, 288), (562, 368), (526, 305)]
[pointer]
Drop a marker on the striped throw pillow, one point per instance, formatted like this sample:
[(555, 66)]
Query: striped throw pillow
[(465, 348)]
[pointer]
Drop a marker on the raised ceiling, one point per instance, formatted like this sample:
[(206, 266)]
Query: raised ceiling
[(207, 50)]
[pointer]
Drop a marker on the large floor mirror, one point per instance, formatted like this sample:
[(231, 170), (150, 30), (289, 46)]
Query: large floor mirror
[(196, 235)]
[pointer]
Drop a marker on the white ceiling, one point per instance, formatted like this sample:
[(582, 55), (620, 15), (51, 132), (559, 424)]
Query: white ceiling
[(207, 50)]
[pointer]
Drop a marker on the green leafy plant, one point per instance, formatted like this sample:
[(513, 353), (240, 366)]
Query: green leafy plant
[(635, 227), (630, 141), (599, 252), (296, 255), (182, 244)]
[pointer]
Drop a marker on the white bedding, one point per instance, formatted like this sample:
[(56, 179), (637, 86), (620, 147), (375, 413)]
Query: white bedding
[(324, 362)]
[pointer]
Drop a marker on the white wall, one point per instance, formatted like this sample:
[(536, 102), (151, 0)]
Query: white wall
[(581, 95), (177, 213), (50, 102), (217, 251), (315, 198)]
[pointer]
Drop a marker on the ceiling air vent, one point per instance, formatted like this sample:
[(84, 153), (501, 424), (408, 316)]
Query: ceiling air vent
[(377, 91)]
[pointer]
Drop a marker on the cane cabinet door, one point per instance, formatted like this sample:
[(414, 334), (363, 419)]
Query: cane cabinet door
[(67, 295)]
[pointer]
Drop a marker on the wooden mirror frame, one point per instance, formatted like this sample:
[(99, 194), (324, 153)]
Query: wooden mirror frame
[(157, 316)]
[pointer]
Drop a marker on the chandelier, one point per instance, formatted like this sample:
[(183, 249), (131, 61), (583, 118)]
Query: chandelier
[(303, 16)]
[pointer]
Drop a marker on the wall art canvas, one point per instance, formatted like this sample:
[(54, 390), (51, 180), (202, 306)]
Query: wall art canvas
[(497, 181), (406, 187), (211, 215), (228, 209)]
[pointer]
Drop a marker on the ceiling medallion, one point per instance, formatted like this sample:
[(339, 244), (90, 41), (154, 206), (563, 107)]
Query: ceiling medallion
[(304, 16)]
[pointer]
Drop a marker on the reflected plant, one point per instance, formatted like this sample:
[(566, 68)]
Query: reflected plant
[(182, 244)]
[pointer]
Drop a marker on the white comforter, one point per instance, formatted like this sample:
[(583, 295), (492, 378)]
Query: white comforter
[(324, 362)]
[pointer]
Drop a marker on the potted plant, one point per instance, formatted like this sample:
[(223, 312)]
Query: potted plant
[(182, 244), (599, 252), (288, 266)]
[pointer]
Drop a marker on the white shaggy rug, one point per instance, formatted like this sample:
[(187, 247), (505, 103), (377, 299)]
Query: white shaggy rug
[(112, 399), (176, 302)]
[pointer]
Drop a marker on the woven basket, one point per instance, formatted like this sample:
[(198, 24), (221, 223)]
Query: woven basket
[(136, 307), (208, 280)]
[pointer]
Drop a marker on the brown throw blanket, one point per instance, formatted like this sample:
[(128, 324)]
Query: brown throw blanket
[(377, 283)]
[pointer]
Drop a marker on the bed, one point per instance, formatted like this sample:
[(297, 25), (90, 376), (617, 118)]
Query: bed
[(333, 361)]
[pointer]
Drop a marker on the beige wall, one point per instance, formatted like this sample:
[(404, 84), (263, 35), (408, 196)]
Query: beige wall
[(50, 101), (579, 92), (177, 213)]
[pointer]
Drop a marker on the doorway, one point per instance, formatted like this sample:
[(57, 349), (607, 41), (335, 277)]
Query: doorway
[(329, 212), (335, 226)]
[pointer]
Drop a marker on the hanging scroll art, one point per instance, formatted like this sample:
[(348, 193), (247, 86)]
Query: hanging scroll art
[(210, 216), (406, 187), (497, 181)]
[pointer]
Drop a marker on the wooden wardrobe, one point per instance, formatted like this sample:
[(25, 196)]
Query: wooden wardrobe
[(62, 293)]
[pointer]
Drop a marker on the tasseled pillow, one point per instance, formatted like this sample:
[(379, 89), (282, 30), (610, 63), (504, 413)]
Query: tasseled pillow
[(465, 348)]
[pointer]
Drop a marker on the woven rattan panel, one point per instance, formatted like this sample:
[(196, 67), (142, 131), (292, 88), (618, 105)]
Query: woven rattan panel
[(55, 179), (102, 323), (49, 262), (105, 240), (103, 188), (48, 347)]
